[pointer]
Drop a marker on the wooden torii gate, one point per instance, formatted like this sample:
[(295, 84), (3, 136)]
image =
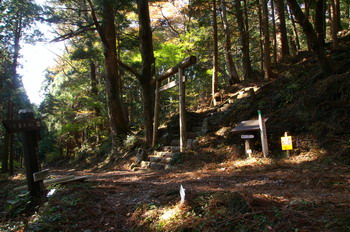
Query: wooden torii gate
[(29, 127), (179, 68)]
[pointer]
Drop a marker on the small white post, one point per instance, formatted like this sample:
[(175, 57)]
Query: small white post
[(263, 135)]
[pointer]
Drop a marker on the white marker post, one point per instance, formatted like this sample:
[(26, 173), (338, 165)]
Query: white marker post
[(262, 127)]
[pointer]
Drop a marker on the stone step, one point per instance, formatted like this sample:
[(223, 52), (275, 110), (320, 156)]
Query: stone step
[(171, 148), (157, 166), (145, 164), (163, 160), (224, 108), (163, 154), (139, 169)]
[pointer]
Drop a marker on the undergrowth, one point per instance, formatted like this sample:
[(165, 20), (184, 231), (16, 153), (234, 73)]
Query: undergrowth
[(220, 211)]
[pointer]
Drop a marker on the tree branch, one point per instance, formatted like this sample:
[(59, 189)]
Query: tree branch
[(128, 68), (96, 22), (74, 33), (168, 22)]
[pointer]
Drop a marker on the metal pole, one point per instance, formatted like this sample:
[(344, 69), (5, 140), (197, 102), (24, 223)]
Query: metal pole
[(263, 135)]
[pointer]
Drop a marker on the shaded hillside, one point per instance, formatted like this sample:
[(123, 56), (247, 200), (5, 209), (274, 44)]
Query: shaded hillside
[(313, 108)]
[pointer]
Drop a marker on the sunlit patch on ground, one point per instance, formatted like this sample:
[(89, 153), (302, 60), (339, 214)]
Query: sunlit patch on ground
[(304, 157)]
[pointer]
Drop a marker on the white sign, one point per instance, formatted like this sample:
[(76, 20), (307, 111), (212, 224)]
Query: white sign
[(247, 136)]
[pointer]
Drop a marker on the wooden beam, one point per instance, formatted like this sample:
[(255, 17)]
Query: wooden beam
[(182, 65), (61, 180), (171, 84)]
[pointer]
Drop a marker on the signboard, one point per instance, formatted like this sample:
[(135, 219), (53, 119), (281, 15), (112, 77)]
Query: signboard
[(40, 175), (14, 126), (249, 125), (247, 136), (287, 143)]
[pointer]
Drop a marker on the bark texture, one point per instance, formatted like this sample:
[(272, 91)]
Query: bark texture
[(146, 48), (244, 39), (281, 31), (311, 36), (266, 34), (231, 67), (107, 32), (215, 81)]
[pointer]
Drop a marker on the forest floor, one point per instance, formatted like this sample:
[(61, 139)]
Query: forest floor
[(224, 192), (256, 194)]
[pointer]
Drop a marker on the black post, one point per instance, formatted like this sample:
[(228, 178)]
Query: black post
[(30, 154)]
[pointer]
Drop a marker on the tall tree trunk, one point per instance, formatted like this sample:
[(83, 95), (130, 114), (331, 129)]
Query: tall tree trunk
[(282, 38), (244, 39), (295, 30), (7, 142), (93, 85), (5, 157), (146, 47), (265, 27), (335, 21), (11, 142), (94, 94), (338, 16), (117, 122), (311, 36), (307, 13), (320, 20), (215, 80), (231, 67), (274, 36), (261, 43), (14, 86)]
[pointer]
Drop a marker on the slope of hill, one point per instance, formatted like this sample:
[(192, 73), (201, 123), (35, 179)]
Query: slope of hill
[(225, 191)]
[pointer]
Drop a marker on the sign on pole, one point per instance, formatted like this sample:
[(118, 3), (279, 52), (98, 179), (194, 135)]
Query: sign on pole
[(287, 143), (15, 125), (30, 152), (247, 136)]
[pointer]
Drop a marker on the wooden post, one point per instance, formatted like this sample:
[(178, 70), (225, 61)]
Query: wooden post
[(30, 153), (156, 114), (248, 147), (263, 135), (287, 151), (11, 142), (248, 144), (182, 111)]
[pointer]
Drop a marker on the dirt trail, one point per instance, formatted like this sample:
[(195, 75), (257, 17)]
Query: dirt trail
[(108, 205)]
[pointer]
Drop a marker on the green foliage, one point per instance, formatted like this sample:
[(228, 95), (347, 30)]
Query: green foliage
[(53, 157), (19, 205)]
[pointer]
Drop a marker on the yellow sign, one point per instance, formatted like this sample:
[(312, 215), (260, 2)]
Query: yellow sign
[(287, 143)]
